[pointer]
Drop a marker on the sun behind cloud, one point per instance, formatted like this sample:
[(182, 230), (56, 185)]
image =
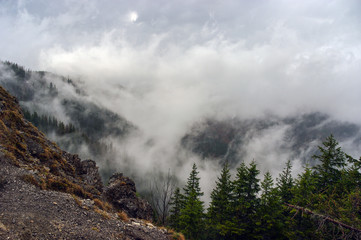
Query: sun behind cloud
[(133, 16)]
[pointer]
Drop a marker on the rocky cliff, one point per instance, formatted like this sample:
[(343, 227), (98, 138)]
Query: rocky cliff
[(47, 193)]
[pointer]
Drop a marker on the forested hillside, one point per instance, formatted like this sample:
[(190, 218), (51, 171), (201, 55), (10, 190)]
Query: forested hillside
[(323, 202), (63, 111), (230, 139)]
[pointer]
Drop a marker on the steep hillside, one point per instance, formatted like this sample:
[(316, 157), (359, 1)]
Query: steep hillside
[(58, 98), (299, 135), (47, 193)]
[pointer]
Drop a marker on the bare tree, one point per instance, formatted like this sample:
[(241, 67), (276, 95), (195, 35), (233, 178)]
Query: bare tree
[(162, 188)]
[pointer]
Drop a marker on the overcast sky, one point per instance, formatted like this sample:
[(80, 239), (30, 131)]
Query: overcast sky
[(166, 64), (264, 56)]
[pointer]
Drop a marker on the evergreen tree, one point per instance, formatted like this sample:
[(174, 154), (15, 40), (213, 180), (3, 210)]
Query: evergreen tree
[(27, 114), (177, 204), (267, 189), (61, 128), (270, 211), (332, 160), (220, 211), (305, 187), (246, 202), (285, 183), (191, 218), (304, 194), (35, 119), (352, 179)]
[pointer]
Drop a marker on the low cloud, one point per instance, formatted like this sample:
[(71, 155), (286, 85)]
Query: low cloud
[(165, 66)]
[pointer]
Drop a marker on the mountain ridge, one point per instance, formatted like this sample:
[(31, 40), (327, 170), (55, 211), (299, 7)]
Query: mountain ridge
[(47, 193)]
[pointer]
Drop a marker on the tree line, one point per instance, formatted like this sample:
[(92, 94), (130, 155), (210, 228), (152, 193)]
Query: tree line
[(48, 123), (71, 136), (323, 202)]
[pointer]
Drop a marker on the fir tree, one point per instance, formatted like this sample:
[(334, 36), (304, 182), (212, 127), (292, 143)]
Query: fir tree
[(246, 202), (285, 183), (352, 177), (304, 188), (270, 211), (304, 194), (177, 204), (191, 218), (219, 211), (332, 161)]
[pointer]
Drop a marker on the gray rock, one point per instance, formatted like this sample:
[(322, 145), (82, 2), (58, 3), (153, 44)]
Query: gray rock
[(121, 192)]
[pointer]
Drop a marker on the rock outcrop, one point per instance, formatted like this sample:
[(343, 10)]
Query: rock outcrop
[(121, 192), (46, 193)]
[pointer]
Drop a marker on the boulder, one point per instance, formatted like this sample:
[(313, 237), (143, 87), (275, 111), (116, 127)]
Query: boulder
[(86, 169), (121, 192)]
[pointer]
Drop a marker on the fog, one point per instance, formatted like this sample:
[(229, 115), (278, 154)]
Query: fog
[(167, 65)]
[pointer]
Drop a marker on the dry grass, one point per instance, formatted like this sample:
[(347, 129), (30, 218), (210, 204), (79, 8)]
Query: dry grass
[(77, 201), (64, 185), (123, 216), (104, 214), (176, 235), (29, 178), (102, 205), (179, 236)]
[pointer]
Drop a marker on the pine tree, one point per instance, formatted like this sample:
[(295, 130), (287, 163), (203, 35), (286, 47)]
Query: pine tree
[(177, 204), (191, 218), (304, 188), (332, 161), (304, 193), (267, 189), (219, 211), (352, 177), (285, 183), (246, 202), (35, 119), (61, 128), (270, 211), (27, 114)]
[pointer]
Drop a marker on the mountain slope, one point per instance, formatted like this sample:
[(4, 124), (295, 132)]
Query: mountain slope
[(55, 96), (233, 140), (46, 193)]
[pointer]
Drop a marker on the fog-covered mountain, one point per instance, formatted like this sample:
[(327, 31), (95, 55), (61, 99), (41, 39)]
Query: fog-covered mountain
[(42, 186), (97, 132), (232, 140), (47, 97)]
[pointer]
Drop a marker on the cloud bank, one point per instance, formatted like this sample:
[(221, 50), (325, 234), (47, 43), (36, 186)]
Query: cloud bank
[(165, 65)]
